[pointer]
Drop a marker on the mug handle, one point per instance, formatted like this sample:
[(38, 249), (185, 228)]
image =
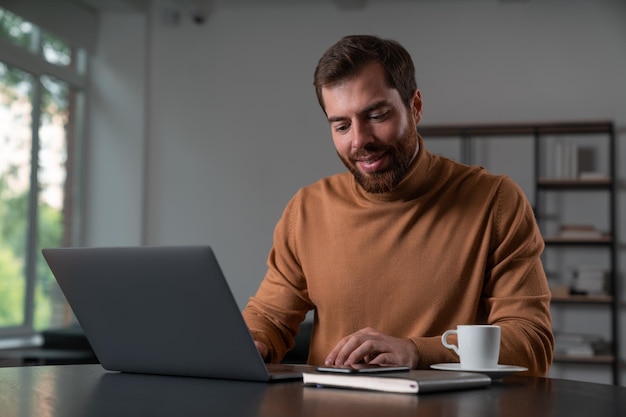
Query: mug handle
[(444, 338)]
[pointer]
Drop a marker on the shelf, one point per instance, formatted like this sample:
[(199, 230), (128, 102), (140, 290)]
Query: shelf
[(557, 240), (608, 359), (542, 128), (582, 299), (574, 183)]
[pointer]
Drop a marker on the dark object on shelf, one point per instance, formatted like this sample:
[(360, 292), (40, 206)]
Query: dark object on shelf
[(61, 346)]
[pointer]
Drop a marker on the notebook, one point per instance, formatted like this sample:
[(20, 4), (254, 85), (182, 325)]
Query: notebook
[(160, 310), (407, 382)]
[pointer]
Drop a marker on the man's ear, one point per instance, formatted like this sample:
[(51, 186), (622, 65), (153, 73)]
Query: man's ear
[(416, 106)]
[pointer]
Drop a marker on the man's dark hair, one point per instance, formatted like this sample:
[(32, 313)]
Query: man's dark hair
[(350, 54)]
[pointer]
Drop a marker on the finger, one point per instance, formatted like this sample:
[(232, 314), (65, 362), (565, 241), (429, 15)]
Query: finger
[(386, 359), (365, 351), (347, 345), (332, 356), (343, 350), (262, 348), (401, 352)]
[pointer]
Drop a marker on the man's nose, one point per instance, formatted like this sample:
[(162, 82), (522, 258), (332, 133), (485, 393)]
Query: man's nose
[(362, 135)]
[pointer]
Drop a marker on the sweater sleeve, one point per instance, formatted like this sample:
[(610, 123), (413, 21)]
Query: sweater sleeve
[(281, 302), (516, 294)]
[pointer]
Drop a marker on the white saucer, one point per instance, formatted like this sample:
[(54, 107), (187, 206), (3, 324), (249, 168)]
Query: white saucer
[(496, 373)]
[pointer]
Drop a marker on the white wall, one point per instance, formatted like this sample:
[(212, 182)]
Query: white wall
[(114, 153), (204, 135)]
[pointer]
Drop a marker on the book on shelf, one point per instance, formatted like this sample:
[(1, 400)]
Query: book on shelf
[(593, 176), (580, 349), (576, 344), (574, 161), (560, 290), (579, 231), (589, 280), (407, 382), (585, 160), (564, 161)]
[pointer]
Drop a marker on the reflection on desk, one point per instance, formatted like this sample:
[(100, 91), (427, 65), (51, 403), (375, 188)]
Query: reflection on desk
[(90, 391)]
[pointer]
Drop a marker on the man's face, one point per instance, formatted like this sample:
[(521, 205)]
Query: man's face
[(373, 132)]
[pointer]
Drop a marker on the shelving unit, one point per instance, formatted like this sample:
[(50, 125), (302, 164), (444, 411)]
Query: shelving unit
[(548, 188)]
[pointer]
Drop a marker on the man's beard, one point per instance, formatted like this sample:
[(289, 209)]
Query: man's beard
[(386, 180)]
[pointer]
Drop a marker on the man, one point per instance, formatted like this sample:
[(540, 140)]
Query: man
[(404, 246)]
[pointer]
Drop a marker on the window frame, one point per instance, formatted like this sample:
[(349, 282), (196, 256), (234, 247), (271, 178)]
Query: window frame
[(75, 75)]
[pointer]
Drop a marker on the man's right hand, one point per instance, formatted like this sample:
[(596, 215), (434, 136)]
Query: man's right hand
[(263, 350)]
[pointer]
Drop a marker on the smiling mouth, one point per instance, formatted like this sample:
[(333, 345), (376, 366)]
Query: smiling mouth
[(367, 157), (371, 163)]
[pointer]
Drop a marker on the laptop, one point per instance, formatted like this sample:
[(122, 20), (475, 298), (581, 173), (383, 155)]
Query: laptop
[(160, 310)]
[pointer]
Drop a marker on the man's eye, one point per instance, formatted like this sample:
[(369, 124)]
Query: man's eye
[(341, 128), (378, 116)]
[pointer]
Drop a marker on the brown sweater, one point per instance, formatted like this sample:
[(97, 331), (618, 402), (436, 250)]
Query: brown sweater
[(450, 245)]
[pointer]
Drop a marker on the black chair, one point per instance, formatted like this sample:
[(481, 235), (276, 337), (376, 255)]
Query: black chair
[(300, 352)]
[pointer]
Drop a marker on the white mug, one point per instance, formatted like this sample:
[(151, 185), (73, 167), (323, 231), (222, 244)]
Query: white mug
[(478, 345)]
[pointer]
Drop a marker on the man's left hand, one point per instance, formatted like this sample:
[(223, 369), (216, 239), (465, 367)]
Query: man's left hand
[(371, 346)]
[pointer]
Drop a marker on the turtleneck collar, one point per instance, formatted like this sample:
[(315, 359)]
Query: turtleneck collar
[(416, 182)]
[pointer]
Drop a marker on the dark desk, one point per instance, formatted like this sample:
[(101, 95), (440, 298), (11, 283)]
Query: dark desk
[(88, 391)]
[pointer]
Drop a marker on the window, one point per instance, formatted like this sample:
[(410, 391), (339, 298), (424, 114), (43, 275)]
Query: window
[(40, 103)]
